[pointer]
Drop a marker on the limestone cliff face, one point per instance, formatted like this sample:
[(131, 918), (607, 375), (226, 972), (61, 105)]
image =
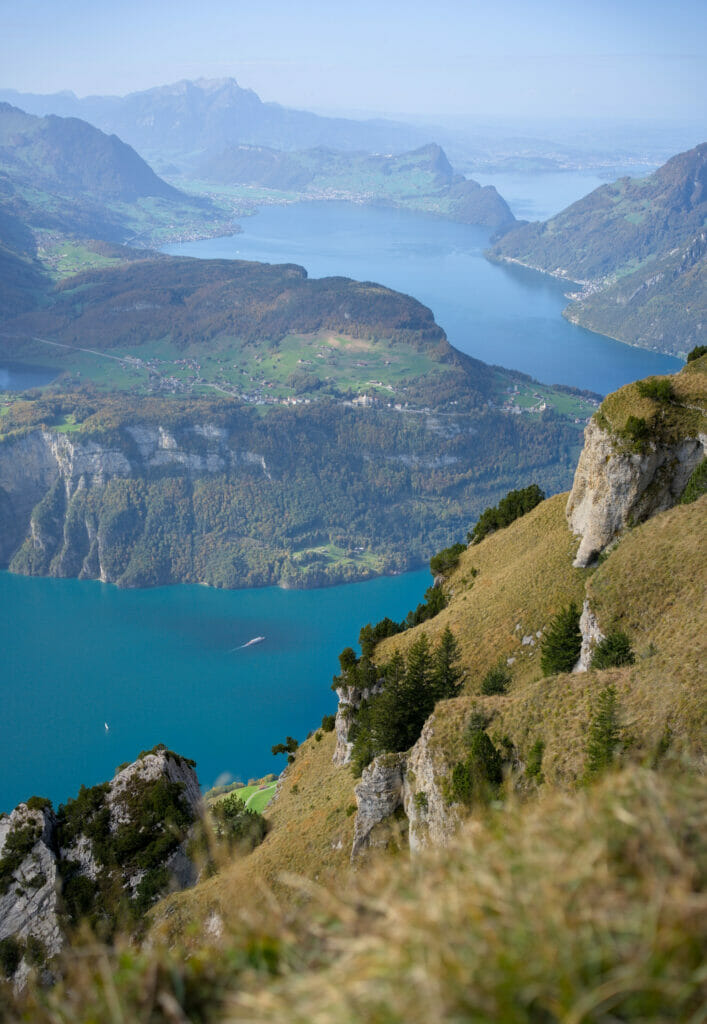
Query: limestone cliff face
[(350, 700), (41, 866), (29, 900), (433, 821), (411, 782), (379, 794), (591, 636), (614, 488), (61, 513)]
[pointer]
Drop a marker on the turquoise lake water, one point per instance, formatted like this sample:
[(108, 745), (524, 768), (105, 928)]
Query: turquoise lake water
[(159, 666), (501, 314)]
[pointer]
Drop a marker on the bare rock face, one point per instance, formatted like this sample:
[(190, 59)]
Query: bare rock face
[(614, 489), (28, 887), (350, 700), (433, 821), (591, 636), (379, 794)]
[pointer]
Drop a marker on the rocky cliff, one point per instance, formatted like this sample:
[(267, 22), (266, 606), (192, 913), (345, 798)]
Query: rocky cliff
[(614, 489), (406, 793), (106, 856), (640, 451)]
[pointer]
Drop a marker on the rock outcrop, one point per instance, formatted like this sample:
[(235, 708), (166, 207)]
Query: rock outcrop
[(614, 488), (126, 840), (591, 636), (411, 782), (350, 700), (29, 899), (379, 795), (433, 820)]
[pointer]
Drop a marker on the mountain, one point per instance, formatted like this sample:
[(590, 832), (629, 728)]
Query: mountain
[(422, 179), (282, 430), (73, 157), (176, 123), (61, 178), (547, 793), (638, 248)]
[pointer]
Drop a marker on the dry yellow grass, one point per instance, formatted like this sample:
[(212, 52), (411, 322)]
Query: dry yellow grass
[(310, 835), (652, 585), (525, 576)]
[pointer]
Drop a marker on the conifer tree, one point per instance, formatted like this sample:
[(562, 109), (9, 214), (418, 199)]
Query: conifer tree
[(604, 733), (562, 642), (447, 676)]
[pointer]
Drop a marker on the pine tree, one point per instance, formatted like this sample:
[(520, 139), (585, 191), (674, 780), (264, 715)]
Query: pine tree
[(604, 733), (447, 676), (562, 642)]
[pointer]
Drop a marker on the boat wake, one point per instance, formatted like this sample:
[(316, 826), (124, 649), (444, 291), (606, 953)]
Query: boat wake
[(249, 643)]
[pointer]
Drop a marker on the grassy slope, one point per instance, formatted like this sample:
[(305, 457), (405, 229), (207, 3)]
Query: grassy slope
[(578, 907), (309, 834)]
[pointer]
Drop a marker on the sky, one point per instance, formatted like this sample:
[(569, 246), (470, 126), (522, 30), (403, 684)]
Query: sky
[(465, 58)]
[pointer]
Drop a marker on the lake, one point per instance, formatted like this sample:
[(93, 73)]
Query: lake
[(501, 314), (18, 377), (163, 666)]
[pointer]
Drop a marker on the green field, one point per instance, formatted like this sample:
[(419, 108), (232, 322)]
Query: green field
[(297, 365), (256, 797)]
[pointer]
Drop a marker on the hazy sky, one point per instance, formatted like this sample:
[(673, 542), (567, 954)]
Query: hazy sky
[(628, 58)]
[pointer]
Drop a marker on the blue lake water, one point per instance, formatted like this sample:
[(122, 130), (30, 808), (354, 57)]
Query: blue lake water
[(159, 666), (502, 314), (18, 377)]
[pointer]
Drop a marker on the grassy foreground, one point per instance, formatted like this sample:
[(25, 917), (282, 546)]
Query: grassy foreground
[(578, 907)]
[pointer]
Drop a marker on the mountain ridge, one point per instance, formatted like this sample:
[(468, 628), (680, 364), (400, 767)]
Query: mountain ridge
[(627, 244)]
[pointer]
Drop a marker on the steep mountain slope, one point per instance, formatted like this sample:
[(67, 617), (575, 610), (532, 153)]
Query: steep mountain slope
[(70, 156), (638, 247), (62, 178), (501, 600)]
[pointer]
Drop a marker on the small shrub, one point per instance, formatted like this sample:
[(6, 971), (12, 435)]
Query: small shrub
[(696, 486), (660, 389), (351, 809), (604, 733), (318, 736), (636, 430), (614, 650), (11, 951), (534, 762), (561, 642), (697, 352), (420, 801), (446, 559), (237, 824), (295, 789), (39, 803), (496, 680), (476, 779), (478, 721), (328, 723)]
